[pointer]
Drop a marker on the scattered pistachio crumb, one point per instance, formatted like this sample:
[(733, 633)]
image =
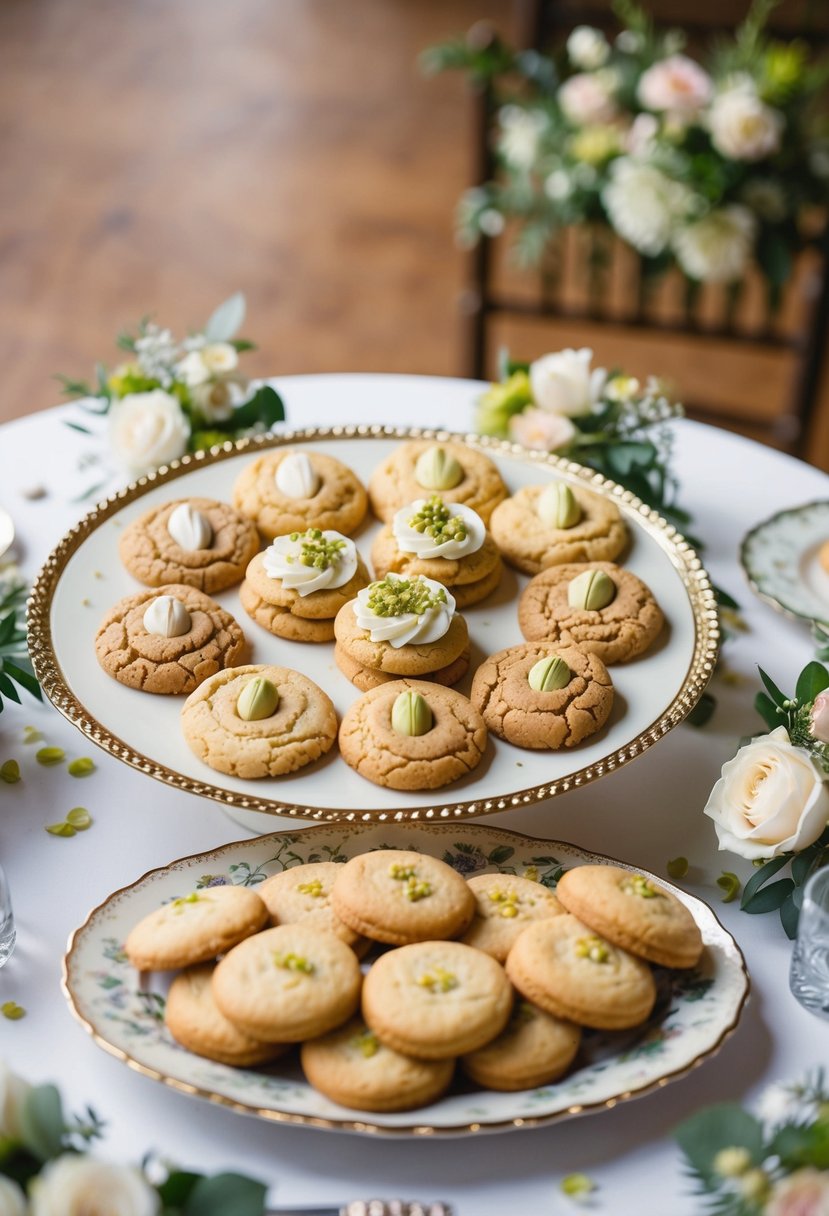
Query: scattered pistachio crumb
[(439, 980), (313, 888), (86, 602), (31, 734), (293, 962), (639, 885), (81, 767), (366, 1043), (183, 900), (677, 867), (97, 574), (10, 772), (12, 1011), (50, 755), (592, 948), (577, 1186), (730, 885), (60, 829), (79, 818)]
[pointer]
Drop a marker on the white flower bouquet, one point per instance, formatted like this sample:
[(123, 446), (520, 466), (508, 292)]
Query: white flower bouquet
[(698, 166), (174, 396)]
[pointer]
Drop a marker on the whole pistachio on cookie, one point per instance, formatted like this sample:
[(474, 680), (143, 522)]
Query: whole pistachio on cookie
[(548, 675), (591, 590), (167, 617), (296, 477), (190, 528), (411, 715), (437, 469), (258, 699), (558, 507)]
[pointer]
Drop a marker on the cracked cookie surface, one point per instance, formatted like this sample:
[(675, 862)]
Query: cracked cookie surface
[(409, 660), (302, 728), (532, 546), (151, 663), (624, 629), (453, 747), (339, 504), (393, 483), (470, 578), (287, 614), (564, 717), (152, 556)]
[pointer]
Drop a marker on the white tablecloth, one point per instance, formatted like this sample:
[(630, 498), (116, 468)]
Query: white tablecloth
[(646, 813)]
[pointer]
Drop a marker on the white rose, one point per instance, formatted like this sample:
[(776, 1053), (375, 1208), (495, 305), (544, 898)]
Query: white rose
[(562, 383), (12, 1199), (13, 1091), (193, 370), (217, 399), (742, 127), (644, 205), (219, 358), (519, 135), (716, 248), (588, 98), (770, 799), (147, 430), (74, 1185), (587, 48)]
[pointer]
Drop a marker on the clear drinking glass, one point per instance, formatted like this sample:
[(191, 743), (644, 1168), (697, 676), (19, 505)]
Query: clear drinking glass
[(809, 975), (8, 933)]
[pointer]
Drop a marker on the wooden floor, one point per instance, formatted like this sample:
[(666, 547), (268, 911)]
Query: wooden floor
[(159, 155)]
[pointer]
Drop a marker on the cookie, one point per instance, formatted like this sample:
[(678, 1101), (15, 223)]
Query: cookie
[(403, 477), (446, 542), (528, 717), (435, 1000), (169, 646), (196, 541), (504, 906), (352, 1067), (534, 1049), (366, 678), (567, 969), (399, 896), (311, 491), (288, 984), (451, 748), (532, 543), (194, 928), (194, 1020), (633, 912), (301, 727), (303, 894), (618, 632), (304, 611)]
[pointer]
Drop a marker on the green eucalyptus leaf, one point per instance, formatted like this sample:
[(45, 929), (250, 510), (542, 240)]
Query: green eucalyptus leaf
[(624, 457), (790, 915), (177, 1188), (702, 711), (226, 1195), (42, 1125), (769, 899), (802, 863), (724, 599), (264, 406), (8, 689), (226, 321), (762, 875), (812, 680), (767, 710), (703, 1135), (774, 692), (18, 672)]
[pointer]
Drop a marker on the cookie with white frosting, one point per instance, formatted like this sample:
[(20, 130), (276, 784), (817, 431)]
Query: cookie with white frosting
[(290, 490), (196, 541)]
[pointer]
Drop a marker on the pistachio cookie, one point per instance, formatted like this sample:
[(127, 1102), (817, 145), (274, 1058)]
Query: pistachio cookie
[(600, 607), (435, 1000), (456, 471), (259, 721), (194, 928), (504, 906), (541, 697), (288, 984), (366, 678), (399, 896), (303, 893), (403, 627), (634, 912), (194, 1019), (442, 738), (447, 542), (551, 525), (535, 1048), (351, 1066), (298, 585), (196, 541), (168, 640), (567, 969), (290, 490)]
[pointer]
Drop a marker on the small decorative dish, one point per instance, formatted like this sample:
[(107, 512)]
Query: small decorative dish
[(781, 558)]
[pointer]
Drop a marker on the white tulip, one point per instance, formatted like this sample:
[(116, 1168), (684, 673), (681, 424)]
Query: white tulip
[(562, 383), (12, 1199), (147, 430), (770, 799), (74, 1185), (13, 1092)]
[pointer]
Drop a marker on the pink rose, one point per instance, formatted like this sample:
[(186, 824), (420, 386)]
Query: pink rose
[(537, 429), (803, 1193), (819, 720), (587, 98), (677, 85)]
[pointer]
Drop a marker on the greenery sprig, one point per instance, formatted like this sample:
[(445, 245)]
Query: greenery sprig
[(15, 665)]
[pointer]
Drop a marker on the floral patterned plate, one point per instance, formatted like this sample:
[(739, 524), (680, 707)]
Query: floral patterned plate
[(123, 1011), (781, 559)]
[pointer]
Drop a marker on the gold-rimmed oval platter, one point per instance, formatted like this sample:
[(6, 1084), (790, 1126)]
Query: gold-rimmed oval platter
[(695, 1013), (83, 577)]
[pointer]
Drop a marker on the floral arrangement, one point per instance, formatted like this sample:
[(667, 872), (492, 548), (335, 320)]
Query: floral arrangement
[(170, 397), (606, 420), (700, 166), (772, 1164), (46, 1168), (771, 804)]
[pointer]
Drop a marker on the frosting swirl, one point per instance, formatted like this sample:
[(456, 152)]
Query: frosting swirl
[(311, 561), (430, 527), (401, 610)]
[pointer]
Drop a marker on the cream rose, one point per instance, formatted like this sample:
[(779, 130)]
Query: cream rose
[(217, 399), (12, 1199), (537, 429), (13, 1091), (147, 430), (770, 799), (82, 1186), (562, 383), (742, 127)]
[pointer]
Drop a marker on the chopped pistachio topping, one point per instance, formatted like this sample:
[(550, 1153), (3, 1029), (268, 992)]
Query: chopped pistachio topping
[(677, 867), (366, 1043), (316, 550), (592, 948), (293, 962), (415, 890), (637, 884), (81, 767), (436, 520), (50, 755), (398, 597), (507, 902), (10, 772), (438, 980), (401, 873), (181, 903), (314, 887), (12, 1011)]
